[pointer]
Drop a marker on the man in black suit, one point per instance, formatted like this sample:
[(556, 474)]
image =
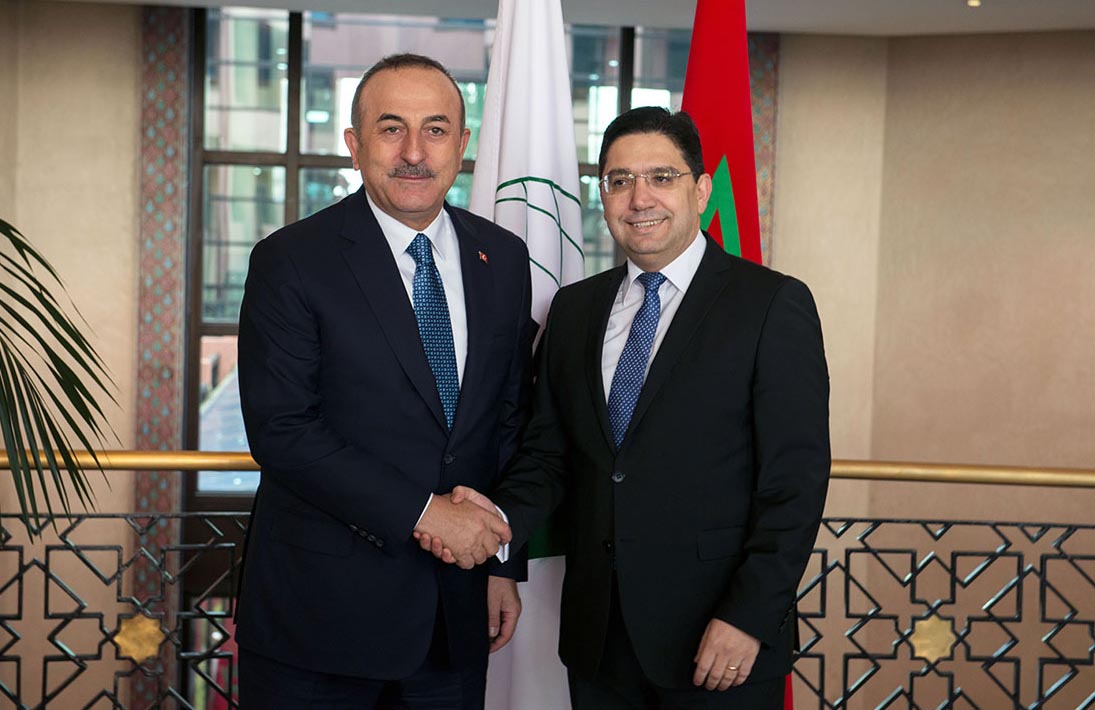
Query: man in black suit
[(681, 409), (384, 355)]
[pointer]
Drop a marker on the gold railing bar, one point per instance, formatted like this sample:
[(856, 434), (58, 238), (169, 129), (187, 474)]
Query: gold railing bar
[(956, 473), (160, 460), (842, 469)]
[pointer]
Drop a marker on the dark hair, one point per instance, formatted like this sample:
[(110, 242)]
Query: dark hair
[(400, 61), (677, 127)]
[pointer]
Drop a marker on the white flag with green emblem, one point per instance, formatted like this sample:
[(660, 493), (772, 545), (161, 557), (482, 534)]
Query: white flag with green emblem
[(526, 179), (526, 170)]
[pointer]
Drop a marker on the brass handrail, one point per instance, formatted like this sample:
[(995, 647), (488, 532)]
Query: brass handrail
[(842, 469)]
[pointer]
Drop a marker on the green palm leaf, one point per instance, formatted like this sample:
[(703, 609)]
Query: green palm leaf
[(50, 376)]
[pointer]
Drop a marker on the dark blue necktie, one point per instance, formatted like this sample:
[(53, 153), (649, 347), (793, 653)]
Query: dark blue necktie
[(631, 369), (434, 327)]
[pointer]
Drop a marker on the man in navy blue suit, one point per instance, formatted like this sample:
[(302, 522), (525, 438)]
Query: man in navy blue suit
[(384, 359)]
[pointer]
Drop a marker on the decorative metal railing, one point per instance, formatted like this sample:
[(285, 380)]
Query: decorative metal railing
[(893, 613), (77, 593), (948, 614)]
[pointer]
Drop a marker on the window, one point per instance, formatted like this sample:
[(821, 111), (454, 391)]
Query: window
[(268, 150)]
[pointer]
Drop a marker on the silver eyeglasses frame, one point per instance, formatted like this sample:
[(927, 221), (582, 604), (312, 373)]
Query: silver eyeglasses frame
[(661, 179)]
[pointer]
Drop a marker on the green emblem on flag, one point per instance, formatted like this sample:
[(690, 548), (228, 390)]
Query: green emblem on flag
[(722, 203), (552, 211)]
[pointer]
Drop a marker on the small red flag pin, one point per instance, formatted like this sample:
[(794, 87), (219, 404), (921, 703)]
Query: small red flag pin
[(483, 257)]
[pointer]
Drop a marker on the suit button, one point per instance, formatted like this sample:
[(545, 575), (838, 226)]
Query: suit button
[(618, 477), (372, 538), (380, 543), (448, 459), (353, 528), (362, 533), (608, 546)]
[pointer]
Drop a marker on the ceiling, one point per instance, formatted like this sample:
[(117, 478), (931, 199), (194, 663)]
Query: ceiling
[(854, 17)]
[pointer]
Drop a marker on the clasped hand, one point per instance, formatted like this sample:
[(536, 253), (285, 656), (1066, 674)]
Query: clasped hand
[(469, 533), (463, 528)]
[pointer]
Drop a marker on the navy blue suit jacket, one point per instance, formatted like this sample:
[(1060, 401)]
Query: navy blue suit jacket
[(343, 415)]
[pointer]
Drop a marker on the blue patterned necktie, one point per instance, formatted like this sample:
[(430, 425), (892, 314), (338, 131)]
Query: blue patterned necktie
[(631, 369), (434, 327)]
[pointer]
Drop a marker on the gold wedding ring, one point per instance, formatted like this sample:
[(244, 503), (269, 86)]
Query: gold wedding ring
[(731, 668)]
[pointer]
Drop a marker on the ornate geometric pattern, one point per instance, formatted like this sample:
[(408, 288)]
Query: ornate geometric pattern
[(162, 297), (964, 615), (893, 614), (78, 589), (763, 82)]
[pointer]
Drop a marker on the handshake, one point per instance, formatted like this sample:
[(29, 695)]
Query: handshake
[(463, 527)]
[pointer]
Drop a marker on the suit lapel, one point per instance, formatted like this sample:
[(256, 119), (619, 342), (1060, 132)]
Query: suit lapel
[(478, 297), (600, 309), (370, 259), (709, 281)]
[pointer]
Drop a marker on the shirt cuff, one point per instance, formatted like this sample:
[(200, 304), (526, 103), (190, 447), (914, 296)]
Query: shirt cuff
[(503, 550), (420, 515)]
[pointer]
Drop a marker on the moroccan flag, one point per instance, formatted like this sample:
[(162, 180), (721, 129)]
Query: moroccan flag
[(717, 97), (526, 179)]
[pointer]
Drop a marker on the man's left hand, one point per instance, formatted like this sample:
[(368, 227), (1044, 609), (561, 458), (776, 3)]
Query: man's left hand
[(725, 656), (503, 609)]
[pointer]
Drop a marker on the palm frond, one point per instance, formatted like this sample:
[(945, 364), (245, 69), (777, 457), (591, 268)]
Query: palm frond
[(50, 378)]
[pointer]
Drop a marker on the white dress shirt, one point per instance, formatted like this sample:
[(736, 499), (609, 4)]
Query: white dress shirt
[(678, 276)]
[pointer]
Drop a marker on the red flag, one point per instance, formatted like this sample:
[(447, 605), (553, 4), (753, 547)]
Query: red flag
[(717, 97)]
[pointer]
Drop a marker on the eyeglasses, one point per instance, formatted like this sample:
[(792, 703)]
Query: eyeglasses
[(618, 183)]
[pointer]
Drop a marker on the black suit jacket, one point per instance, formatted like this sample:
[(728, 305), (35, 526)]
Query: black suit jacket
[(711, 505), (343, 415)]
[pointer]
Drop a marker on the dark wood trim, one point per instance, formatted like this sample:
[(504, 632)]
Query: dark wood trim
[(627, 69), (215, 328), (316, 160), (292, 147), (195, 230), (627, 83), (587, 169), (240, 157), (265, 158)]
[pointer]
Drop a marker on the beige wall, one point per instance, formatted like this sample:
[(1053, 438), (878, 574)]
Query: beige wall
[(832, 108), (9, 69), (936, 195), (69, 161), (71, 158), (987, 250)]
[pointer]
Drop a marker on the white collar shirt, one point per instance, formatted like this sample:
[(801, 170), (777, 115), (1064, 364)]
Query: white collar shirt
[(446, 256), (678, 276)]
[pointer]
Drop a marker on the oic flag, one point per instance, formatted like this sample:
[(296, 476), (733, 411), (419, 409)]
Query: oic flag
[(526, 171), (717, 97), (526, 180)]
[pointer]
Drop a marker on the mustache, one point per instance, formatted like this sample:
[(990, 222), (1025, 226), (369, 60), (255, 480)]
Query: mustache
[(408, 170)]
